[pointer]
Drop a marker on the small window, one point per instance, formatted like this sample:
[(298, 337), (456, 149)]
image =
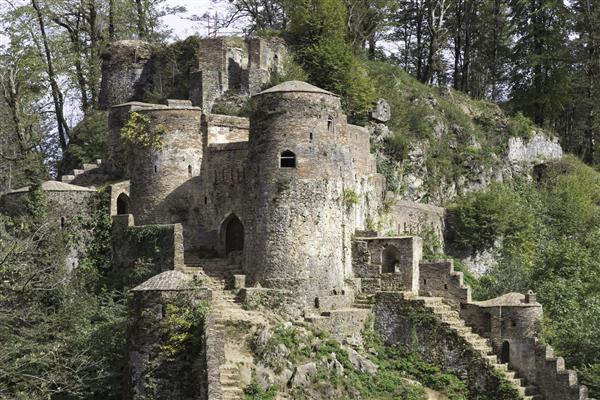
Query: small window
[(62, 222), (445, 286), (424, 281), (287, 160), (205, 200), (189, 170), (330, 125), (155, 169), (310, 136)]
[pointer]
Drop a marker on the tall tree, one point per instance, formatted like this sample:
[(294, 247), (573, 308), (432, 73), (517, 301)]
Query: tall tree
[(540, 80)]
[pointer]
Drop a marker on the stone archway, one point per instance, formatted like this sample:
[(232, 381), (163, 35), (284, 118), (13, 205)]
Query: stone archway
[(234, 234), (123, 204)]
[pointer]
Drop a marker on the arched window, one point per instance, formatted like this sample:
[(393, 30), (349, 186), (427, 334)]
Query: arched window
[(287, 160), (330, 124), (123, 204), (189, 170)]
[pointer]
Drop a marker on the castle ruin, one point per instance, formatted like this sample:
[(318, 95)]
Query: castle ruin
[(279, 208)]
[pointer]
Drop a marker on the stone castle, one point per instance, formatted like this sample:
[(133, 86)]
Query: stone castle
[(285, 210)]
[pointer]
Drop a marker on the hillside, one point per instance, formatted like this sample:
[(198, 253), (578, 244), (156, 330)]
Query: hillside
[(440, 143)]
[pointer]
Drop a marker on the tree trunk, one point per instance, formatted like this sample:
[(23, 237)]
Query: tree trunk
[(57, 96)]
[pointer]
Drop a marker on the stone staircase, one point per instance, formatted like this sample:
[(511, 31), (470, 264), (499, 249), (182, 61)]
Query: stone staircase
[(452, 320), (231, 325), (68, 178), (223, 268), (364, 301)]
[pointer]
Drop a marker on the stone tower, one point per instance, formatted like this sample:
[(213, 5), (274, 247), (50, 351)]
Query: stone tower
[(126, 72), (161, 189), (297, 236)]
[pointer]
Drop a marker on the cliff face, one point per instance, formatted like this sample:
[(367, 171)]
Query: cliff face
[(440, 143)]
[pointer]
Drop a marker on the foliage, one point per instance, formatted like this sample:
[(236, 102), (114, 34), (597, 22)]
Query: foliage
[(479, 219), (255, 392), (521, 126), (183, 326), (62, 332), (397, 369), (291, 71), (550, 234), (139, 132), (350, 198), (317, 34)]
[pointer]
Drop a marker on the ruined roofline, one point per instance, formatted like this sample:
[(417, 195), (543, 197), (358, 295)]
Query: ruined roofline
[(155, 107)]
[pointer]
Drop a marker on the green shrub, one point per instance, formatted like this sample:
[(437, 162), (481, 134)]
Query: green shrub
[(521, 126)]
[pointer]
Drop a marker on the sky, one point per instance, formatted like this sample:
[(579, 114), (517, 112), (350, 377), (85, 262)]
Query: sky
[(183, 27)]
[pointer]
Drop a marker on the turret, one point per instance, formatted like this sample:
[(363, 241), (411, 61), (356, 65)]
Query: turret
[(297, 234), (161, 189), (126, 72)]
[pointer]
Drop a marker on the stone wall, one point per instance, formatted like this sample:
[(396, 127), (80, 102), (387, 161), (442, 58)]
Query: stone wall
[(115, 164), (234, 65), (225, 129), (157, 368), (412, 218), (298, 235), (387, 263), (62, 205), (438, 278), (139, 252)]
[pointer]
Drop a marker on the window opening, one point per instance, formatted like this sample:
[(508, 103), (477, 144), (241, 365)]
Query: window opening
[(287, 160)]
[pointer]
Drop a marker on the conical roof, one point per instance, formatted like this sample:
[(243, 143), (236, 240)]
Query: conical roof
[(57, 186), (166, 281), (296, 86)]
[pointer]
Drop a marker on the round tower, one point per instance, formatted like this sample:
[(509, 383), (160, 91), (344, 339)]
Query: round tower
[(126, 72), (297, 237), (161, 175)]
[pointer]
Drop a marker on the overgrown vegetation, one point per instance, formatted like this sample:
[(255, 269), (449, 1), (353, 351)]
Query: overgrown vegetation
[(62, 332), (547, 235), (399, 373), (139, 132)]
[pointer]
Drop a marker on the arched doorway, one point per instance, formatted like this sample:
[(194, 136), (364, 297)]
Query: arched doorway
[(234, 234), (505, 353), (123, 204), (390, 260)]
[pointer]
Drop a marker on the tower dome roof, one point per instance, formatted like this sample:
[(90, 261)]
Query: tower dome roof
[(296, 86)]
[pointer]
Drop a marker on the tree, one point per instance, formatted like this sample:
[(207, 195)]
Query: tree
[(317, 33), (540, 78)]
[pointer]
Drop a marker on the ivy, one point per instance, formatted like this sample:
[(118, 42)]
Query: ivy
[(139, 132)]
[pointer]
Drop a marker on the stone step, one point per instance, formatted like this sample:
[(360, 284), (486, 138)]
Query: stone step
[(67, 178)]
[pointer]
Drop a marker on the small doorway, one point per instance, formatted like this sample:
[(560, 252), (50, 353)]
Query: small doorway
[(390, 262), (123, 204), (234, 234), (505, 353)]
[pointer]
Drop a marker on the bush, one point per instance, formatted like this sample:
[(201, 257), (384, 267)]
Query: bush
[(478, 219)]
